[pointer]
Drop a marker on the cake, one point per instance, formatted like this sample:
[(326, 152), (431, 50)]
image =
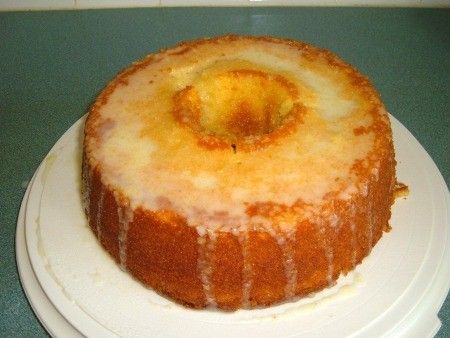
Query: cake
[(238, 172)]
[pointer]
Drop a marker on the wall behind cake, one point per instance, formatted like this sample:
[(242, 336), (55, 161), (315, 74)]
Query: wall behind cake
[(8, 5)]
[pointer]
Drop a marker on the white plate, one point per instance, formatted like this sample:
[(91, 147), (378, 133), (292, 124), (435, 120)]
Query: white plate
[(50, 318), (397, 290)]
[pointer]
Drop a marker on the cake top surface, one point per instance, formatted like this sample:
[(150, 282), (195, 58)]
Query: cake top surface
[(210, 128)]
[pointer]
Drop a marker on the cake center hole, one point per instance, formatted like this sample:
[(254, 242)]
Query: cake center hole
[(236, 104)]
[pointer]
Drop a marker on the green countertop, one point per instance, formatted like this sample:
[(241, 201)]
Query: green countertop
[(53, 64)]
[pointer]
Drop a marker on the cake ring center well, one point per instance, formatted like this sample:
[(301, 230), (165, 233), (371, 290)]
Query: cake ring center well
[(236, 105)]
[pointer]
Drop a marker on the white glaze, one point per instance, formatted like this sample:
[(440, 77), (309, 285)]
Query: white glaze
[(313, 160)]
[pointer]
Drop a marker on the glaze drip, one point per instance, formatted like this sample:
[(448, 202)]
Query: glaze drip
[(330, 258), (206, 241), (243, 238), (100, 213), (125, 218), (353, 229), (284, 240), (370, 220), (290, 267), (86, 189)]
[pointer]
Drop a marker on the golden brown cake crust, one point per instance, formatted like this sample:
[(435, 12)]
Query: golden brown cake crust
[(248, 265)]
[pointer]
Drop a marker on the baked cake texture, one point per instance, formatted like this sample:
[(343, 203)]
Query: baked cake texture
[(237, 172)]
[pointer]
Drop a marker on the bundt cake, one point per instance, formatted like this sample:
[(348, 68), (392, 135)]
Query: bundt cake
[(238, 172)]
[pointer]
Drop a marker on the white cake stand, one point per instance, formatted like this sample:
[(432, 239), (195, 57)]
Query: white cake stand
[(77, 290)]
